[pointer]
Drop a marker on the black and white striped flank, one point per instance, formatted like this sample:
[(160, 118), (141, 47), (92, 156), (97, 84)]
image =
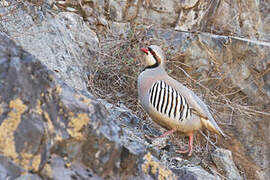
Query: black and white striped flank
[(168, 101)]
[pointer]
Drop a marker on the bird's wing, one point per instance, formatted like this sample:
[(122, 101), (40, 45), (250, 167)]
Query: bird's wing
[(199, 107), (166, 100)]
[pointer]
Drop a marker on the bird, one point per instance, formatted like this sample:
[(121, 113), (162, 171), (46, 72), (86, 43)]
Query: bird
[(169, 103)]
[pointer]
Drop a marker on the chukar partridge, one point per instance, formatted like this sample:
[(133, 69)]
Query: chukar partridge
[(168, 102)]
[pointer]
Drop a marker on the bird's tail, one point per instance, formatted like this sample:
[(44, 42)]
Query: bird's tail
[(212, 127)]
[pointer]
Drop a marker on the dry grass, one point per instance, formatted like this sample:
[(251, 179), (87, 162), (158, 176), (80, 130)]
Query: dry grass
[(116, 71)]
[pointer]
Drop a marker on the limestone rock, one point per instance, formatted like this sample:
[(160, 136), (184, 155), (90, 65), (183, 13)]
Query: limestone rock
[(161, 13), (34, 112), (29, 177), (223, 159), (8, 169), (59, 132), (216, 17), (116, 10), (196, 173), (63, 43), (59, 168), (152, 168), (186, 4), (120, 29), (213, 16)]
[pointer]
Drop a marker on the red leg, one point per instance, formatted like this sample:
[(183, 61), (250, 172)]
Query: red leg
[(190, 146)]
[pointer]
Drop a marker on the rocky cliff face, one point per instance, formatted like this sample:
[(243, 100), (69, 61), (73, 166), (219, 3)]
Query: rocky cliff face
[(52, 127), (52, 131)]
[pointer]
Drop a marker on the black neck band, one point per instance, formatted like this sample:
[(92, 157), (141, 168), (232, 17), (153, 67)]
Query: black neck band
[(152, 66)]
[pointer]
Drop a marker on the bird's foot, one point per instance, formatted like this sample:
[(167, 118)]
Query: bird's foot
[(190, 142)]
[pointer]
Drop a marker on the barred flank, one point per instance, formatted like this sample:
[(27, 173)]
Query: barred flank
[(168, 101)]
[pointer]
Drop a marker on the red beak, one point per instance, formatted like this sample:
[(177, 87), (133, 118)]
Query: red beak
[(144, 50)]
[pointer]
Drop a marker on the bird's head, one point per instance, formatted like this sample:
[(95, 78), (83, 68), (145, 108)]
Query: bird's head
[(153, 56)]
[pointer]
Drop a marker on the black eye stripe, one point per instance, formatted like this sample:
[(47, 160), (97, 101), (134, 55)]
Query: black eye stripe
[(153, 53), (151, 50)]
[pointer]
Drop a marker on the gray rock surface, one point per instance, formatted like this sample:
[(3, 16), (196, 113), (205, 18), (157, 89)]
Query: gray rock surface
[(217, 17), (55, 131), (8, 169), (29, 177), (59, 168), (63, 42), (224, 161), (195, 172)]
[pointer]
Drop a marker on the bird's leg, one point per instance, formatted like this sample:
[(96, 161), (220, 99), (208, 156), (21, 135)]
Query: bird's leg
[(190, 145)]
